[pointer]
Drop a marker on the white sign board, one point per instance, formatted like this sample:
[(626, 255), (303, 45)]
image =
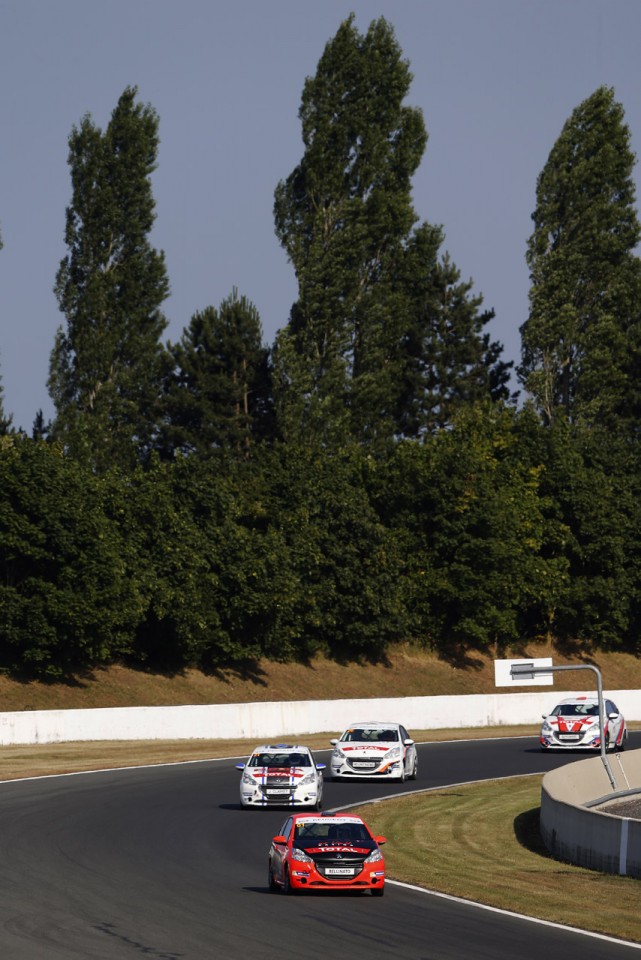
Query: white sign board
[(503, 673)]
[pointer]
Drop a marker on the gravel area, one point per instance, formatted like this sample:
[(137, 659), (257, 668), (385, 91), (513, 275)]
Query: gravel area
[(624, 808)]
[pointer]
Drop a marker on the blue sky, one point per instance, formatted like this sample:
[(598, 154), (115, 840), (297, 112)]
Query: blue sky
[(496, 80)]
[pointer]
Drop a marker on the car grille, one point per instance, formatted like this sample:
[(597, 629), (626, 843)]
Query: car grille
[(327, 867), (363, 766), (277, 790)]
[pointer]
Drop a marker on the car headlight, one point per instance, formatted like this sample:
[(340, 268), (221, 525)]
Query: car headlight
[(374, 857), (247, 780), (309, 778), (546, 728), (301, 856), (394, 752), (339, 753)]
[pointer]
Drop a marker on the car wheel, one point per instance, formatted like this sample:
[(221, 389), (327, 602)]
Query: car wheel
[(319, 803), (273, 886), (287, 887), (378, 891), (414, 772), (624, 738)]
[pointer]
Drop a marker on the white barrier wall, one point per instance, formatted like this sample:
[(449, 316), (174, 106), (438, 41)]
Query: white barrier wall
[(265, 721), (575, 832)]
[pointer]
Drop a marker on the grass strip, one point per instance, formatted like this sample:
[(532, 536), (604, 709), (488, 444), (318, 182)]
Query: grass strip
[(482, 842), (48, 759)]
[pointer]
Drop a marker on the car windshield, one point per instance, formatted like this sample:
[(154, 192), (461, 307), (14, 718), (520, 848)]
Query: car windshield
[(317, 833), (370, 735), (576, 710), (280, 759)]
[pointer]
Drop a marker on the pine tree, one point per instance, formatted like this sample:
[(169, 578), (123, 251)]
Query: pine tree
[(105, 366), (449, 361), (581, 343), (217, 390)]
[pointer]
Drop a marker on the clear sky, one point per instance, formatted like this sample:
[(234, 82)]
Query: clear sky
[(496, 80)]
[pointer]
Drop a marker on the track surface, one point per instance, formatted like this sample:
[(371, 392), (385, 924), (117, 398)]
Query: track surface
[(160, 863)]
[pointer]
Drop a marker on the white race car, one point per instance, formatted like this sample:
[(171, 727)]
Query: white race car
[(281, 775), (384, 751), (574, 725)]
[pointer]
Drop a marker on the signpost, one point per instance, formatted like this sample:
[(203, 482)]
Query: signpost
[(533, 672)]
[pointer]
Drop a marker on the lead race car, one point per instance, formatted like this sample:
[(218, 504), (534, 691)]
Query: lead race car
[(574, 724), (374, 750), (281, 775), (326, 853)]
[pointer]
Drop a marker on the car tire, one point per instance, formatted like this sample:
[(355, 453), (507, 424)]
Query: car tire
[(288, 890), (271, 882), (414, 773), (378, 891)]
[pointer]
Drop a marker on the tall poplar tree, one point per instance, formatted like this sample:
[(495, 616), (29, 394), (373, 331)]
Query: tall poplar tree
[(581, 343), (217, 390), (106, 365), (341, 216), (353, 354)]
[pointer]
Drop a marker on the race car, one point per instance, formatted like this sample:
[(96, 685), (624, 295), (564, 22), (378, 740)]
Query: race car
[(376, 750), (281, 775), (574, 725), (326, 853)]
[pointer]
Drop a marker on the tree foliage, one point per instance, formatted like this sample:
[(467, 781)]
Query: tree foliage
[(105, 365), (341, 216), (400, 495), (372, 325), (217, 389), (66, 598), (580, 343)]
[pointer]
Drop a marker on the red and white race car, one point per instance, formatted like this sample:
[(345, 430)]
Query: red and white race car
[(281, 774), (375, 749), (574, 725), (326, 853)]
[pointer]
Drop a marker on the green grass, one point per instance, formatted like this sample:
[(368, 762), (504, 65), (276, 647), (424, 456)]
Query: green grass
[(482, 843)]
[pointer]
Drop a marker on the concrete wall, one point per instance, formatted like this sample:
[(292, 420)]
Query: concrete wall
[(575, 832), (263, 721)]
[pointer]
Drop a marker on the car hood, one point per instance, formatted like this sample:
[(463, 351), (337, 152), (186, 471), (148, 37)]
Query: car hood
[(330, 848), (571, 724), (268, 773)]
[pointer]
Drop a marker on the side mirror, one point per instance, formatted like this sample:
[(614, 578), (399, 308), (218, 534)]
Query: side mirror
[(380, 840), (321, 766), (279, 840), (613, 716), (544, 716), (334, 741), (408, 742), (240, 766)]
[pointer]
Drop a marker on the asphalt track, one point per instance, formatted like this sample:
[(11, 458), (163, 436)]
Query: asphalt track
[(160, 863)]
